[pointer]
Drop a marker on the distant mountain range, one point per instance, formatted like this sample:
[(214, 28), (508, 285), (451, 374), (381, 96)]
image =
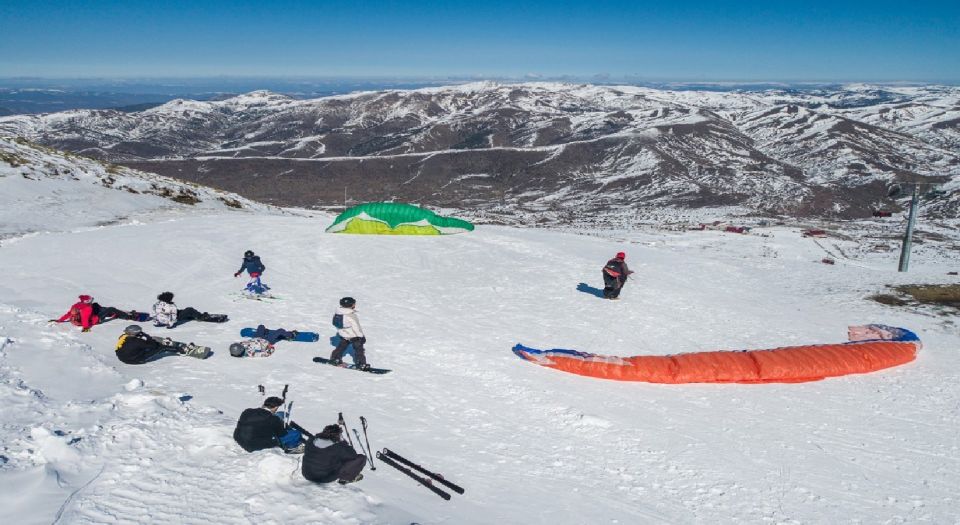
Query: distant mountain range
[(562, 151)]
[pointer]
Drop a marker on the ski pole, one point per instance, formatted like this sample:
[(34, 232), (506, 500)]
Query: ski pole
[(363, 423), (346, 431), (361, 444)]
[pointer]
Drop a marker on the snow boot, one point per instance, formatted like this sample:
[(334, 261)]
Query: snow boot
[(213, 318), (299, 449), (354, 480)]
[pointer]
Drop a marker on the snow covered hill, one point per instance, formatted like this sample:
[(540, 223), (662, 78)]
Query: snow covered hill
[(86, 439), (567, 152), (46, 190)]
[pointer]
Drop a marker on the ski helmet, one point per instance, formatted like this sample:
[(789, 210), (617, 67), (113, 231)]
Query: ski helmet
[(133, 329), (166, 297), (248, 253), (237, 350), (348, 302)]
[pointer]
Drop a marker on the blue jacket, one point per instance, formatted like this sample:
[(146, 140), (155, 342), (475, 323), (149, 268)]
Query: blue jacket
[(252, 265)]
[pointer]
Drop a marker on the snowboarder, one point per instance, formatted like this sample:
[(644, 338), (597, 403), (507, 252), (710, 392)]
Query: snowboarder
[(327, 457), (136, 348), (348, 328), (615, 274), (253, 347), (253, 266), (167, 314), (262, 428)]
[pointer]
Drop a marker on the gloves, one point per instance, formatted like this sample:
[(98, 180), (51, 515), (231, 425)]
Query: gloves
[(236, 274)]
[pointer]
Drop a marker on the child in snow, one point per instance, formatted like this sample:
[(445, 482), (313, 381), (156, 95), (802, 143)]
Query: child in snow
[(167, 314), (261, 344), (348, 328), (253, 266), (327, 457), (136, 348), (615, 274), (262, 428), (87, 313)]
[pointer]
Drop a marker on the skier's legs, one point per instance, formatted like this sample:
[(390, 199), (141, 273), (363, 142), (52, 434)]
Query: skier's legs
[(609, 283), (188, 314), (351, 469), (160, 352), (337, 354)]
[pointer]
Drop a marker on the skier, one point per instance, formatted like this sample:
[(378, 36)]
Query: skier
[(167, 314), (136, 348), (615, 274), (253, 266), (261, 344), (87, 313), (262, 428), (327, 457), (348, 328)]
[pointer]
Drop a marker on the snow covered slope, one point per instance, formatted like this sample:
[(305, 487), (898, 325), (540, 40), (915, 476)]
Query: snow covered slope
[(46, 190), (86, 439)]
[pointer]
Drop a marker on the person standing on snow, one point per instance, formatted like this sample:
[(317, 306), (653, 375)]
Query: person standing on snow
[(167, 314), (136, 348), (262, 428), (348, 328), (327, 457), (253, 266), (615, 274), (87, 313)]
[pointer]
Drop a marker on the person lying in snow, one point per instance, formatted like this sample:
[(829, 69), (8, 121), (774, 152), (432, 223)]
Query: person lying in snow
[(167, 314), (87, 313), (263, 428), (261, 344), (327, 457), (615, 274), (136, 348), (348, 328), (252, 265)]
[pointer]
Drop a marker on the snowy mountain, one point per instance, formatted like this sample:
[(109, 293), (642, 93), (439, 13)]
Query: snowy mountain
[(86, 439), (569, 152)]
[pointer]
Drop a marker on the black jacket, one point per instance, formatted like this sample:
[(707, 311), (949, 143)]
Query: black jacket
[(257, 429), (135, 350), (252, 265), (617, 268), (322, 459)]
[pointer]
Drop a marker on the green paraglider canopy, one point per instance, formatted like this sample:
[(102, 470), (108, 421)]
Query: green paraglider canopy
[(395, 218)]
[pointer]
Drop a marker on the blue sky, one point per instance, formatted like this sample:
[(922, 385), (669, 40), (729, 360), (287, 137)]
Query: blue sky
[(657, 41)]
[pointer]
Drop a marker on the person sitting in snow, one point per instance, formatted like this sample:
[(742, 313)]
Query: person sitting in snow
[(87, 313), (252, 265), (615, 274), (327, 457), (136, 348), (263, 428), (261, 344), (167, 314), (348, 328)]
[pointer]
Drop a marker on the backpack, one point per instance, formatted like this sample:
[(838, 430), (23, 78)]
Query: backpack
[(338, 321), (613, 268)]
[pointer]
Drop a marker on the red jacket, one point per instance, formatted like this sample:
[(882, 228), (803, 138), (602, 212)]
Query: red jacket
[(80, 314)]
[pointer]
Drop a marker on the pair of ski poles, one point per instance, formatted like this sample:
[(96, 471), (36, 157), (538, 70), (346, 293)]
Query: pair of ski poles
[(363, 423)]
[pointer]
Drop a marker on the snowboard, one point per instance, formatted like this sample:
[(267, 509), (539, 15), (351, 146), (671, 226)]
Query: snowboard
[(258, 297), (303, 337), (325, 361)]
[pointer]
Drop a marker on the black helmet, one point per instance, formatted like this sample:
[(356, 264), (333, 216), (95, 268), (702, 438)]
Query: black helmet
[(133, 329), (273, 402), (248, 253), (348, 302), (237, 350), (166, 297)]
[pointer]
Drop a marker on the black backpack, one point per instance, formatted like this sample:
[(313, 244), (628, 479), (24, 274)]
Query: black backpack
[(338, 321)]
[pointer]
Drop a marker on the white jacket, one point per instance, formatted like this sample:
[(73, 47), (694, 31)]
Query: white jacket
[(351, 324), (165, 314)]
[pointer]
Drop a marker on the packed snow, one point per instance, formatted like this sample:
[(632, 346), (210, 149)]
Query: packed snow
[(87, 439)]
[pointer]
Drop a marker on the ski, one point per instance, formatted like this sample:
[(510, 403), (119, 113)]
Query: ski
[(438, 477), (422, 480)]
